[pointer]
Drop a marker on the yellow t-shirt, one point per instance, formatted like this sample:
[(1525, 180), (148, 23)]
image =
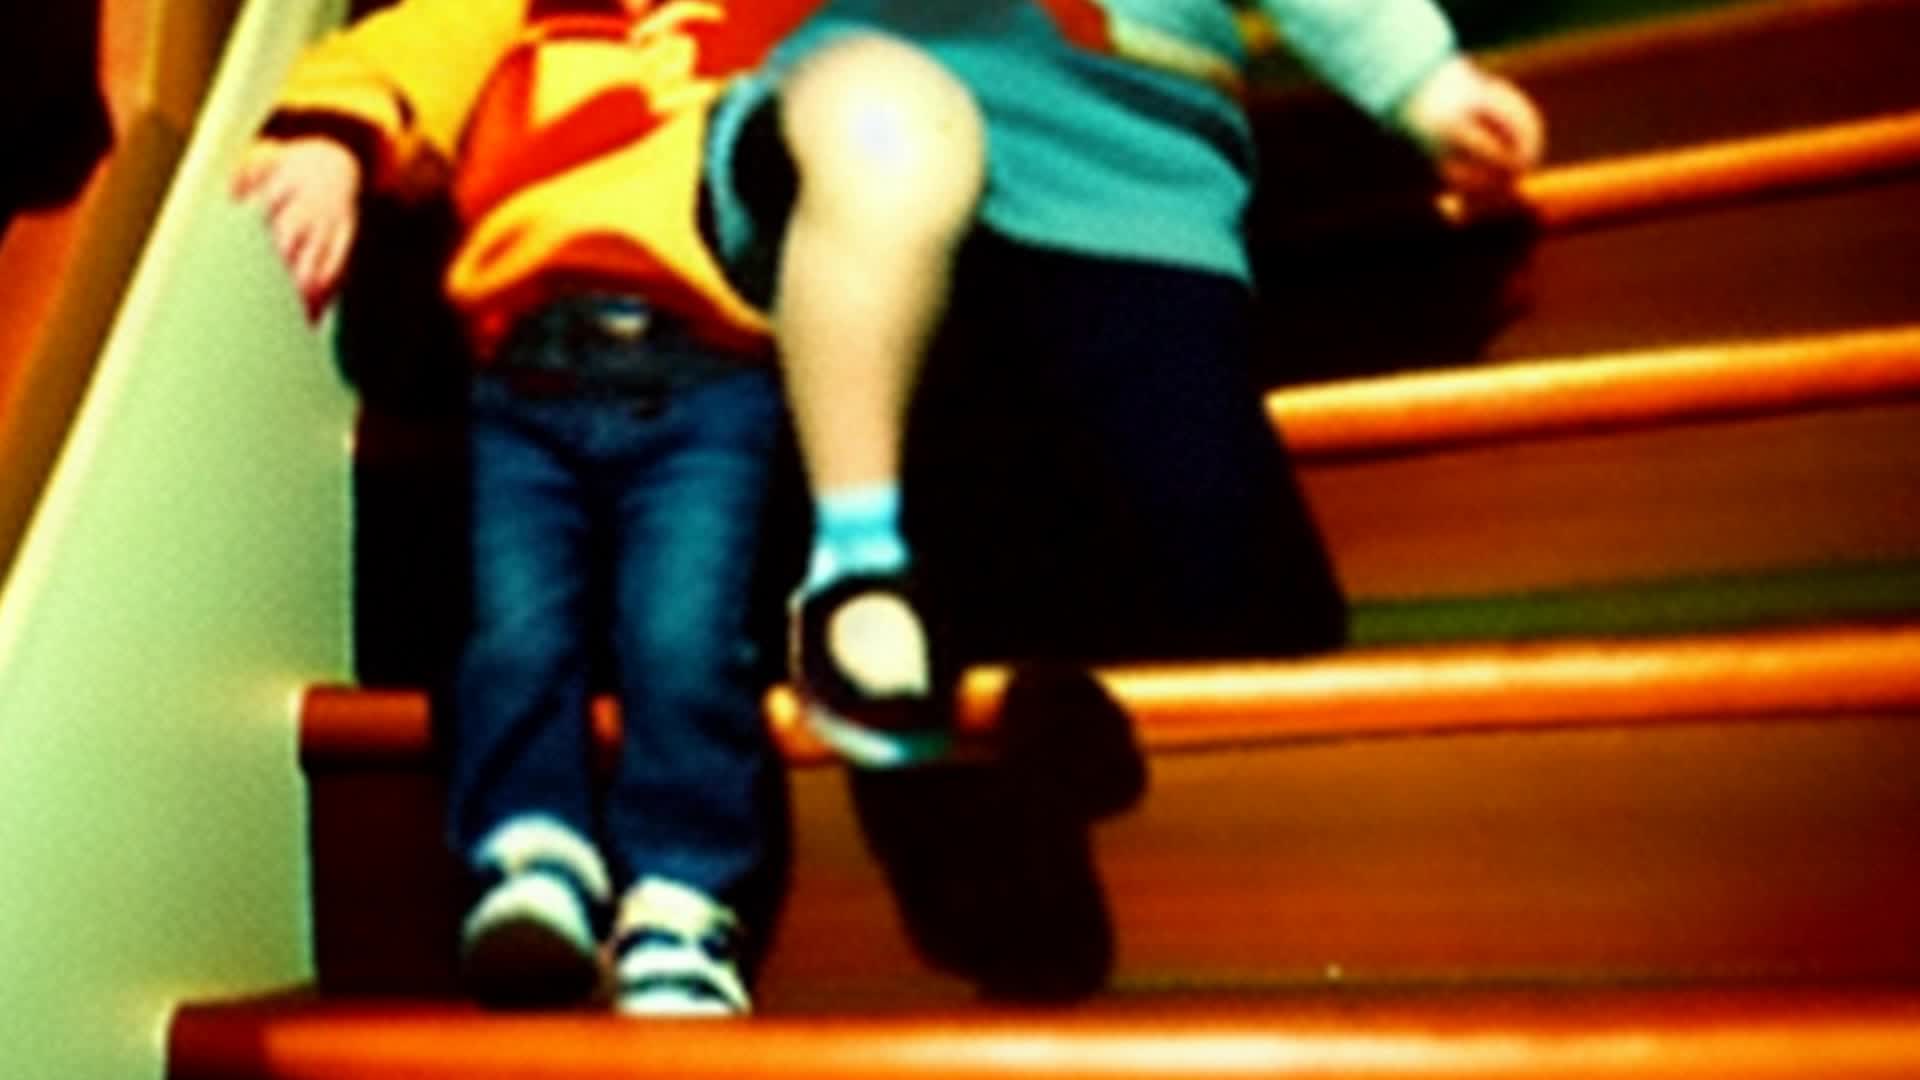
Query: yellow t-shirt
[(571, 134)]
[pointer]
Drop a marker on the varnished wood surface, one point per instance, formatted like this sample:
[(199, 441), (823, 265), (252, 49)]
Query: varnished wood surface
[(1424, 296), (1738, 70), (1711, 498), (1735, 71), (1774, 852), (1824, 488), (1667, 845), (1461, 688), (1396, 415), (1669, 181), (1359, 278), (1648, 1035), (1600, 683)]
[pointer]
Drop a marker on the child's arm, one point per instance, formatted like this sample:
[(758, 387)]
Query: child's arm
[(1399, 61), (1481, 131), (398, 85), (309, 189), (378, 105)]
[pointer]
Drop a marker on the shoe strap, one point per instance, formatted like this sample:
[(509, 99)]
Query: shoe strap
[(658, 906), (526, 841), (821, 672), (673, 939), (684, 974), (599, 915)]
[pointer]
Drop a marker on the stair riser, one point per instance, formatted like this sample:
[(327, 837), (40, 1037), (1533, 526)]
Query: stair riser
[(1775, 850), (387, 896), (1778, 493), (1339, 221), (1814, 260), (1663, 82), (1770, 849), (1648, 86)]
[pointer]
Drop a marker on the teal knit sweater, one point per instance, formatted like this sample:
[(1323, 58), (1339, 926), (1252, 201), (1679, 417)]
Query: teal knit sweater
[(1116, 154)]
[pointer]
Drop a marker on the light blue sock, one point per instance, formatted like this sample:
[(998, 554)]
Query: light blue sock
[(855, 531)]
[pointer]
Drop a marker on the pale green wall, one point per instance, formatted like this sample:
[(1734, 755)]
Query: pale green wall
[(185, 575)]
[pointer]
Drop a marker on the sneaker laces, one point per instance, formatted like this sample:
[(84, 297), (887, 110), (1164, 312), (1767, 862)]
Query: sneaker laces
[(676, 952)]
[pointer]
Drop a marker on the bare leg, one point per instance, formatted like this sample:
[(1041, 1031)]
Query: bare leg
[(891, 151)]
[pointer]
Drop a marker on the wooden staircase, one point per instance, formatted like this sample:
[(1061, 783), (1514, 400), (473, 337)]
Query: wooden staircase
[(1617, 776)]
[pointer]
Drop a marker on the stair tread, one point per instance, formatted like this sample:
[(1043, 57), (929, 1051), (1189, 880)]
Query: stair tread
[(1446, 1031), (1663, 180), (1418, 411), (1378, 692)]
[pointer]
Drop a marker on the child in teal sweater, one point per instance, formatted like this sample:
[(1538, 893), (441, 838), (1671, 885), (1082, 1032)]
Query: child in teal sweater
[(1093, 161)]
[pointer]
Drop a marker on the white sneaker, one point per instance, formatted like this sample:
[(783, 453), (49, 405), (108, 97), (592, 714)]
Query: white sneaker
[(532, 939), (676, 954)]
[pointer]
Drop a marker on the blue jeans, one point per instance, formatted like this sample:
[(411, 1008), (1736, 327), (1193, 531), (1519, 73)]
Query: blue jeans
[(605, 525)]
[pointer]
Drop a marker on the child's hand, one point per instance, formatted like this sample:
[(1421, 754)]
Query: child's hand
[(1481, 130), (309, 188)]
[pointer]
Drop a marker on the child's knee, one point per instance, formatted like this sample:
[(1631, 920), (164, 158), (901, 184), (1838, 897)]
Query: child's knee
[(877, 122)]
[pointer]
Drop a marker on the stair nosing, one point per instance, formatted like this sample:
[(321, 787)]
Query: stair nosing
[(1684, 1032), (1604, 189), (1416, 412), (1370, 693)]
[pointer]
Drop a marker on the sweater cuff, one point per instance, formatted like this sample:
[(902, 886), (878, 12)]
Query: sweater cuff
[(358, 137), (1376, 53)]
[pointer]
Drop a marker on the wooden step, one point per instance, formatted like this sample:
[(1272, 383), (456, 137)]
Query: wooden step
[(1411, 413), (1738, 70), (1397, 692), (1664, 181), (1751, 171), (1633, 91), (1707, 498), (1727, 807), (1641, 1033), (1673, 180), (1423, 295), (1583, 481), (1463, 688)]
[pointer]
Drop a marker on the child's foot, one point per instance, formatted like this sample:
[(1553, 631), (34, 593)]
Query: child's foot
[(533, 937), (530, 942), (864, 663), (676, 954)]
